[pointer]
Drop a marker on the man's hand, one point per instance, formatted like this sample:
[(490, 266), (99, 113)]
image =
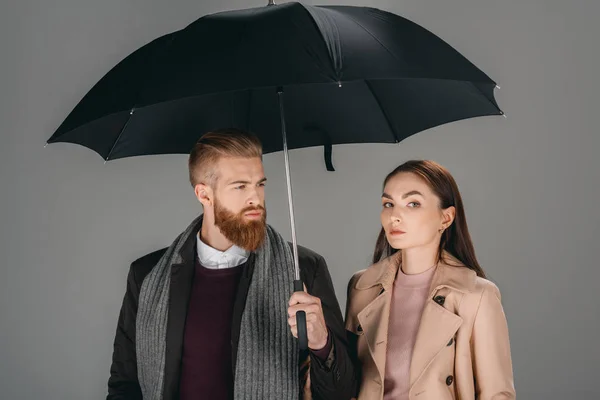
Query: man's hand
[(315, 321)]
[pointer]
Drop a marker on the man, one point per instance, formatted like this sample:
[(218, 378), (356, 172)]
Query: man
[(211, 316)]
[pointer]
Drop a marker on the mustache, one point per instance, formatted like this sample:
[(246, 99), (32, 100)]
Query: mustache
[(252, 208)]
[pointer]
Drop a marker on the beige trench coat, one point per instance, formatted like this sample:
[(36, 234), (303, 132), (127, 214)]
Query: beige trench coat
[(462, 347)]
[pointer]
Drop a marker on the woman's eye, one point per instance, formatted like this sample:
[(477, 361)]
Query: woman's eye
[(413, 204), (387, 204)]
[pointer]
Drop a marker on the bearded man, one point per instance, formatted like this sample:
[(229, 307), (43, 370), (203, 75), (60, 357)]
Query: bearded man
[(213, 315)]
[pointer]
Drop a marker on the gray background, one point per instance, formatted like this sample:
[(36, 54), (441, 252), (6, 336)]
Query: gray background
[(71, 225)]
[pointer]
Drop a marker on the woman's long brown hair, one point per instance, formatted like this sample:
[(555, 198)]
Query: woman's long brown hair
[(456, 239)]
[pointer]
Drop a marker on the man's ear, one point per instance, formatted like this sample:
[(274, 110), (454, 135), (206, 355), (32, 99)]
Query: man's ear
[(204, 194)]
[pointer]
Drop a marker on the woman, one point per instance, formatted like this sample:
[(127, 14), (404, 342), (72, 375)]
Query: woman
[(423, 320)]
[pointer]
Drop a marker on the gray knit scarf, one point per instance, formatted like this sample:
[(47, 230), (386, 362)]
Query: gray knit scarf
[(267, 358)]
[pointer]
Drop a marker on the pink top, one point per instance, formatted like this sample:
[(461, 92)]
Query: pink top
[(408, 299)]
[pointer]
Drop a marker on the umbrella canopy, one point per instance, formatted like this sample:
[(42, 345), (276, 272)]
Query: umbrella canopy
[(350, 75)]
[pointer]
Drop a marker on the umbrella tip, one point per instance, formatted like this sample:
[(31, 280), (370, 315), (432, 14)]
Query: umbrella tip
[(46, 145), (498, 87), (503, 114), (271, 3)]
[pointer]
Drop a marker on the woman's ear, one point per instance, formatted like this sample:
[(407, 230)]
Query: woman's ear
[(448, 216)]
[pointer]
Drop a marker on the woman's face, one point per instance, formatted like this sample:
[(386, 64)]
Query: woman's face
[(411, 215)]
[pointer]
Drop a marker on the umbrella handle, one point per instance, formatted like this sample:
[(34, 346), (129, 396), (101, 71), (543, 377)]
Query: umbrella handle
[(301, 320)]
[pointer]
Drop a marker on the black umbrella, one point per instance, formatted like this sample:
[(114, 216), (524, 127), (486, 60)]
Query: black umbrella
[(349, 74)]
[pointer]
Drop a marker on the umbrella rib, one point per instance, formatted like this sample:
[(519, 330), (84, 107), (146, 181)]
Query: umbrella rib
[(120, 133), (387, 119), (493, 101)]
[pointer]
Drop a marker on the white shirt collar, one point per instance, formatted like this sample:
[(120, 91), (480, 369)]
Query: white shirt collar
[(212, 258)]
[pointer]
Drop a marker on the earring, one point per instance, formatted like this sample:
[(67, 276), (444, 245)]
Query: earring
[(441, 230)]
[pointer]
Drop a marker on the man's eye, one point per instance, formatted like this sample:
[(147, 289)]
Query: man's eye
[(241, 187), (262, 184)]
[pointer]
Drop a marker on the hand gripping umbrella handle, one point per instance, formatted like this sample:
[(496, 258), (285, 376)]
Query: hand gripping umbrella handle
[(301, 320)]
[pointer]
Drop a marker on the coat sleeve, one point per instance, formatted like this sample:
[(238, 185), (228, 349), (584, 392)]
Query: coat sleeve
[(492, 364), (334, 379), (123, 382)]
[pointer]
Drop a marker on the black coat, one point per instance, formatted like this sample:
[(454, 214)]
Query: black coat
[(337, 382)]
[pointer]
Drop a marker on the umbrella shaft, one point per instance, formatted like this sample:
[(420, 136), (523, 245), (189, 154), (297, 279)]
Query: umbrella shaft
[(289, 185)]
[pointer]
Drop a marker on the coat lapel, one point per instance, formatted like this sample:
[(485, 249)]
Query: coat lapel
[(374, 321), (374, 318)]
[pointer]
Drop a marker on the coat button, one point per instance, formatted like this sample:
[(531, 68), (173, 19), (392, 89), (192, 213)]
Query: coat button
[(440, 300), (449, 380), (450, 342), (359, 328)]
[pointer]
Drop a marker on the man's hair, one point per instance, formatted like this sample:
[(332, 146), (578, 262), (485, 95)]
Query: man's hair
[(213, 146)]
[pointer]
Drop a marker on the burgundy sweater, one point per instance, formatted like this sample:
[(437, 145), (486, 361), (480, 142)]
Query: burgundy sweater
[(206, 370)]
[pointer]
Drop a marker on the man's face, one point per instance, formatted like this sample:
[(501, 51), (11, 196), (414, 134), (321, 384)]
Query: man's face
[(239, 201)]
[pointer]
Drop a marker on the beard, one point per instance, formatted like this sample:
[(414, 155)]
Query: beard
[(248, 235)]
